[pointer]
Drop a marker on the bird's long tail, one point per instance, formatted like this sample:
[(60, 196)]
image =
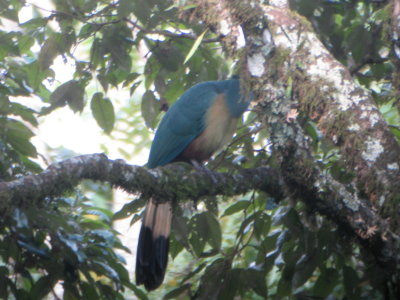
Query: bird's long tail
[(153, 245)]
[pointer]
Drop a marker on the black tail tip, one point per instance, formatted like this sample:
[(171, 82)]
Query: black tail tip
[(150, 270), (150, 284)]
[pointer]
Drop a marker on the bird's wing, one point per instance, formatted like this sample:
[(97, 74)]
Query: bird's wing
[(182, 123)]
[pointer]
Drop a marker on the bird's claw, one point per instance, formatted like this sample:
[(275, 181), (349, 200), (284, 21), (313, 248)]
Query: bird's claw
[(202, 168)]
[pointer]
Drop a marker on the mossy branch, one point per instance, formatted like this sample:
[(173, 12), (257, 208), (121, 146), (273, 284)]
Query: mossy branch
[(294, 77), (176, 181)]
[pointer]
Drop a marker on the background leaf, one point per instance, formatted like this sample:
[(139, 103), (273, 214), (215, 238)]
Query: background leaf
[(103, 112)]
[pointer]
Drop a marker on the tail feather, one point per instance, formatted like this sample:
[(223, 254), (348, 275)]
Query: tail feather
[(153, 245)]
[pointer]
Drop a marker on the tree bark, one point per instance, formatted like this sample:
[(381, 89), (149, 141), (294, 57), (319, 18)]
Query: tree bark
[(297, 80), (172, 182)]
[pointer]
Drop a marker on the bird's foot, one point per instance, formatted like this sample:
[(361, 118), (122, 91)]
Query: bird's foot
[(202, 168)]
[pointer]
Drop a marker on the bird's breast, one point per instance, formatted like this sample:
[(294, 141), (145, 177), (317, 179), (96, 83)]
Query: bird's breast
[(219, 129)]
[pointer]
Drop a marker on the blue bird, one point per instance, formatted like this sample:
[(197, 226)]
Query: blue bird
[(199, 123)]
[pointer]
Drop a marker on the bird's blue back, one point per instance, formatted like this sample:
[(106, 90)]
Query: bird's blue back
[(186, 118)]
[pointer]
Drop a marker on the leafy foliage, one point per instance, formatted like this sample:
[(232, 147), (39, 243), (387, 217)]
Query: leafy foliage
[(247, 246)]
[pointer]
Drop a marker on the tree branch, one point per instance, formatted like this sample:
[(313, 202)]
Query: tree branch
[(177, 182), (173, 182), (290, 69), (342, 110), (323, 89)]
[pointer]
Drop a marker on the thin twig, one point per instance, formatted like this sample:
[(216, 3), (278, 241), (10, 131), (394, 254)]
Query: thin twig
[(172, 34)]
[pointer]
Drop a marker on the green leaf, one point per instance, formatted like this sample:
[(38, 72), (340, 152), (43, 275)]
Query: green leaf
[(129, 209), (103, 269), (358, 33), (151, 70), (194, 47), (266, 246), (119, 268), (35, 75), (134, 87), (305, 268), (249, 220), (291, 253), (142, 10), (18, 135), (293, 222), (69, 293), (70, 93), (25, 42), (7, 44), (34, 249), (89, 292), (211, 204), (125, 7), (326, 282), (169, 56), (4, 283), (87, 30), (24, 112), (194, 272), (231, 284), (351, 282), (120, 56), (289, 88), (215, 233), (175, 247), (341, 173), (312, 130), (256, 280), (103, 112), (96, 54), (74, 252), (236, 207), (396, 132), (76, 100), (35, 23), (104, 235), (134, 219), (130, 78), (280, 215), (49, 52), (180, 227), (138, 292), (205, 228), (211, 281), (103, 81), (262, 225), (197, 241), (5, 106), (175, 293), (150, 109), (284, 288), (16, 128), (43, 287), (104, 214), (116, 41)]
